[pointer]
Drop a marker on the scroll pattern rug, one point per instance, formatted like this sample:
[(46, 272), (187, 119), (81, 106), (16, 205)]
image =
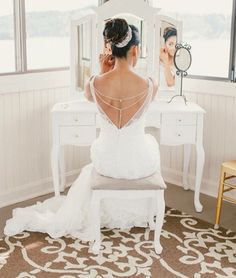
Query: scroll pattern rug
[(192, 248)]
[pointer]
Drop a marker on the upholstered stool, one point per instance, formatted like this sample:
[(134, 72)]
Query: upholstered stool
[(149, 187), (228, 171)]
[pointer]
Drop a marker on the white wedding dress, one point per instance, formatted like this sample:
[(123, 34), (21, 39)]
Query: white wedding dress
[(127, 153)]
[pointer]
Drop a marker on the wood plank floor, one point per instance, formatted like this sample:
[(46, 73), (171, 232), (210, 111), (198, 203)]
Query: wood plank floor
[(175, 197)]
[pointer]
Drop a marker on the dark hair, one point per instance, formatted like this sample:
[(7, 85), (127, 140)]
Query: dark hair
[(115, 31), (169, 32)]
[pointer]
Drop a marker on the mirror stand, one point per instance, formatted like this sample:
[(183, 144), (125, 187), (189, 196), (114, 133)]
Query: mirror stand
[(182, 74)]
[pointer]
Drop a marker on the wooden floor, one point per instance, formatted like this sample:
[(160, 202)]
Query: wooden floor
[(175, 197)]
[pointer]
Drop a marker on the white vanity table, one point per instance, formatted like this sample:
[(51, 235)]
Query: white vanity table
[(75, 123)]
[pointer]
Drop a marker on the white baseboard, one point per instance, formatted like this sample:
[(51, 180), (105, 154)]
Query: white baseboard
[(33, 190), (208, 187)]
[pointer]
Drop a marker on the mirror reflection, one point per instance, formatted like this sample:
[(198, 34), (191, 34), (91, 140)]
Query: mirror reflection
[(168, 41)]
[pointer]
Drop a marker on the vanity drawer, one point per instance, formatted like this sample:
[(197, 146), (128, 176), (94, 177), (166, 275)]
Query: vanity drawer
[(179, 119), (178, 134), (78, 135), (77, 119)]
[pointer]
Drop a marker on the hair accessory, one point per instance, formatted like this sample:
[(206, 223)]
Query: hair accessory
[(126, 40)]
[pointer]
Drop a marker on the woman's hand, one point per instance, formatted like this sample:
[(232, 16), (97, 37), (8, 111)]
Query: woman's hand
[(106, 62), (164, 56)]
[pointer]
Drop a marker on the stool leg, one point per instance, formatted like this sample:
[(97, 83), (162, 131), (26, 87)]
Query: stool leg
[(96, 222), (151, 214), (159, 220), (219, 201)]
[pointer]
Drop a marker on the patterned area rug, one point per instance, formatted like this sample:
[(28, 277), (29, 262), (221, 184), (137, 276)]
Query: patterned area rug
[(191, 248)]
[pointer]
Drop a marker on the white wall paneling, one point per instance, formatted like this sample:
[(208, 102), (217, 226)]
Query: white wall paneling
[(25, 138), (25, 144)]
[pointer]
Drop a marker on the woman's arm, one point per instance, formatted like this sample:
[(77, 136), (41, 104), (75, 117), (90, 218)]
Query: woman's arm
[(87, 92), (107, 63), (170, 78), (155, 88)]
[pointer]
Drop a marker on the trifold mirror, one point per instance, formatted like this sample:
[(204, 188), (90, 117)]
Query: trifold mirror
[(158, 36)]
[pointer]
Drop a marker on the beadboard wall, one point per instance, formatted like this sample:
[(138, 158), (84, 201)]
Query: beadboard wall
[(26, 139)]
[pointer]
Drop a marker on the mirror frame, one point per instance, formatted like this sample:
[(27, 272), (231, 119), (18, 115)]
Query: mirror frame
[(75, 92), (179, 26), (187, 48)]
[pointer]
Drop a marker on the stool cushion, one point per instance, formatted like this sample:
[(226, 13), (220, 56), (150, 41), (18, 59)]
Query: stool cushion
[(100, 182)]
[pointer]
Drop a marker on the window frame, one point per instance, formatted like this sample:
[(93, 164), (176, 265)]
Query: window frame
[(21, 48), (20, 43), (232, 55), (232, 63)]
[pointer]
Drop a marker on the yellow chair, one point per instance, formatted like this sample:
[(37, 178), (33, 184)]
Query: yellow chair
[(228, 171)]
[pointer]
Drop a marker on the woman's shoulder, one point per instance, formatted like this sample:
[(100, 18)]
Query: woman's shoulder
[(110, 77), (155, 86), (109, 80)]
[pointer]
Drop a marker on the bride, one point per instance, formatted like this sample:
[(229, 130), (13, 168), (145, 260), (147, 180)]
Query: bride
[(122, 149)]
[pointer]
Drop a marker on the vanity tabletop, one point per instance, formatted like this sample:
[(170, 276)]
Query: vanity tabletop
[(175, 106), (82, 105)]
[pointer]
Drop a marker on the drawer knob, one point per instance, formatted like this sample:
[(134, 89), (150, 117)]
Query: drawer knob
[(76, 119), (179, 135), (76, 135), (179, 120)]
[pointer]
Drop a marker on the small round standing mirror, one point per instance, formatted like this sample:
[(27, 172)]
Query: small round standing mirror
[(182, 61)]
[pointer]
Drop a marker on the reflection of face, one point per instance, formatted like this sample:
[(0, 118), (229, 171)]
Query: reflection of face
[(170, 45)]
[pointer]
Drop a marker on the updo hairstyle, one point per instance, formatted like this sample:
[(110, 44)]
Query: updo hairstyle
[(115, 31)]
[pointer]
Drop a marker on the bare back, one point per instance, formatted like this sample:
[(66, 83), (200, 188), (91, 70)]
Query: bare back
[(117, 92)]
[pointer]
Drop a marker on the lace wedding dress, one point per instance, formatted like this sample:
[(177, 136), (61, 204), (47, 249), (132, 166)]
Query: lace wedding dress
[(126, 152)]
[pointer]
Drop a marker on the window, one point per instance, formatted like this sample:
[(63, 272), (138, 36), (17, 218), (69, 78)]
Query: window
[(42, 31), (48, 31), (7, 47), (208, 28)]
